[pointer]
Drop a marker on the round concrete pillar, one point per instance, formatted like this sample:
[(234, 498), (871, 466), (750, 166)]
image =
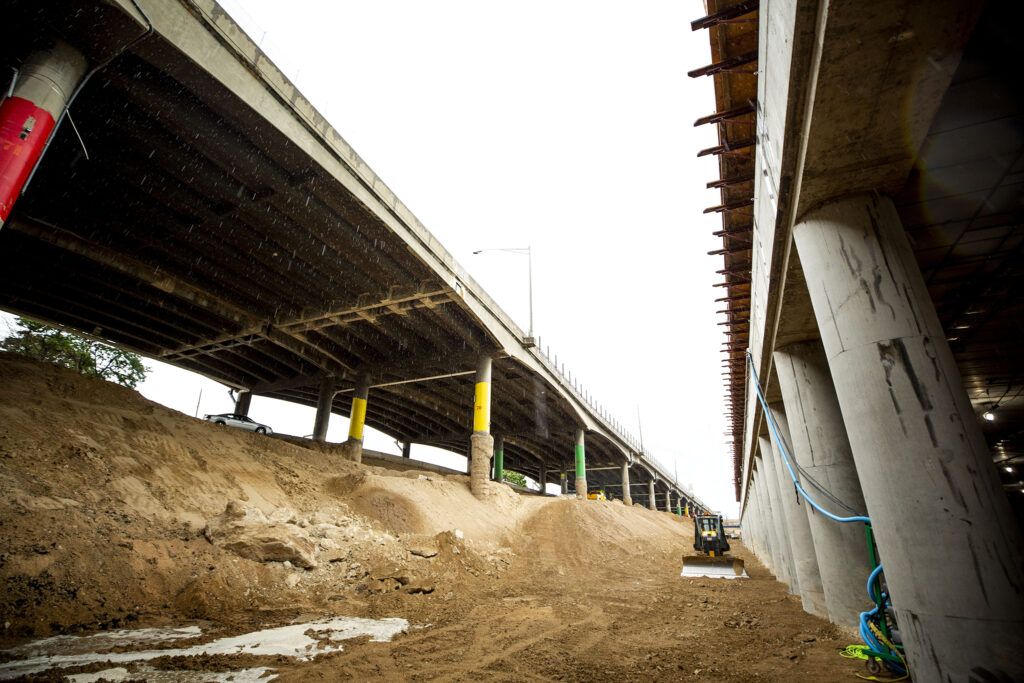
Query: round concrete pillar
[(581, 465), (805, 559), (45, 83), (325, 400), (651, 499), (949, 543), (481, 443), (769, 539), (626, 497), (757, 539), (821, 447), (784, 569), (357, 419), (243, 402)]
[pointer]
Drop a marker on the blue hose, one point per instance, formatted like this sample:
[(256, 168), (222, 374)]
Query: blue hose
[(785, 456), (871, 579)]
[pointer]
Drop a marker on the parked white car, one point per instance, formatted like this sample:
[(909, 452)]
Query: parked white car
[(240, 421)]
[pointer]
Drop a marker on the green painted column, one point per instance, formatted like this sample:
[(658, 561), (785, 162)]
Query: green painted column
[(581, 466), (499, 458)]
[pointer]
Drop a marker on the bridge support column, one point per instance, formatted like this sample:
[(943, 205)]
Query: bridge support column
[(542, 479), (243, 402), (784, 569), (947, 537), (668, 501), (564, 481), (481, 442), (627, 497), (407, 449), (29, 115), (769, 538), (357, 419), (651, 497), (750, 522), (822, 449), (499, 458), (762, 537), (323, 408), (581, 466), (805, 559)]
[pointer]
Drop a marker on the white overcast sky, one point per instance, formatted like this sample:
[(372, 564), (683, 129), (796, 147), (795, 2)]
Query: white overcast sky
[(566, 126)]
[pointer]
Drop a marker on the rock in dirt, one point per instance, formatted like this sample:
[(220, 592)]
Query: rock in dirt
[(419, 587), (423, 551), (244, 530)]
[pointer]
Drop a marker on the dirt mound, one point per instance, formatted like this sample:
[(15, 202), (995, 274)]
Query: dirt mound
[(105, 496), (602, 533)]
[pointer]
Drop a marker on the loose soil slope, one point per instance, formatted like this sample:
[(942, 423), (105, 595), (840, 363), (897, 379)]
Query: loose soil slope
[(104, 497)]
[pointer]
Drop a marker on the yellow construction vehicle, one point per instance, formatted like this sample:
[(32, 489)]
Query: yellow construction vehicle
[(596, 495), (710, 541)]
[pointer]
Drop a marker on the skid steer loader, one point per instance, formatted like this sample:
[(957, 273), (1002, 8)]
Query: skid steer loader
[(710, 542)]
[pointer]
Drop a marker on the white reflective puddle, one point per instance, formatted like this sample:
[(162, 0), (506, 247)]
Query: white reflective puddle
[(301, 641)]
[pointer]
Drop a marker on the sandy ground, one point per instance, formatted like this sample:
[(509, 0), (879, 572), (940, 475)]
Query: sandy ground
[(104, 497)]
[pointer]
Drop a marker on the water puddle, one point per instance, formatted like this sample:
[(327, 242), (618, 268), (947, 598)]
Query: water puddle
[(301, 641)]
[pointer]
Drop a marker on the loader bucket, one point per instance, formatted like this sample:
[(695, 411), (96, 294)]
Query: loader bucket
[(702, 566)]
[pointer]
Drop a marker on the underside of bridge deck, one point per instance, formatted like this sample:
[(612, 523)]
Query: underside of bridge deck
[(199, 211)]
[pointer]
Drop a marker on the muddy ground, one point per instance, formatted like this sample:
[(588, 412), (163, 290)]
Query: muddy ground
[(104, 498)]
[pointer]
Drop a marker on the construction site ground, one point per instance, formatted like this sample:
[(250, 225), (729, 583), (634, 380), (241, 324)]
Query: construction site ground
[(106, 502)]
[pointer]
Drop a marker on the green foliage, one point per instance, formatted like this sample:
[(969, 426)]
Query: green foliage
[(513, 478), (88, 357)]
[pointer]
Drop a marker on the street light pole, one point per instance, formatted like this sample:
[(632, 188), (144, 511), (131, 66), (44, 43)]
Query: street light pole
[(529, 274), (528, 341)]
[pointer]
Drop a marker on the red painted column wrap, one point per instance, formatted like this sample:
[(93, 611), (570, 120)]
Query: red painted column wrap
[(24, 129)]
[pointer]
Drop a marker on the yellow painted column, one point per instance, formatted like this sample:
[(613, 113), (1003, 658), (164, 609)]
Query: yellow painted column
[(481, 443), (482, 393), (357, 419)]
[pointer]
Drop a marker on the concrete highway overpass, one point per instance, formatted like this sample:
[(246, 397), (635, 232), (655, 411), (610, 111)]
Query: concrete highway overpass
[(872, 167), (221, 225)]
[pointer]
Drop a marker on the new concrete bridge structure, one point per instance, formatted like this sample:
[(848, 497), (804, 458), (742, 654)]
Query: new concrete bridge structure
[(872, 166), (167, 189)]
